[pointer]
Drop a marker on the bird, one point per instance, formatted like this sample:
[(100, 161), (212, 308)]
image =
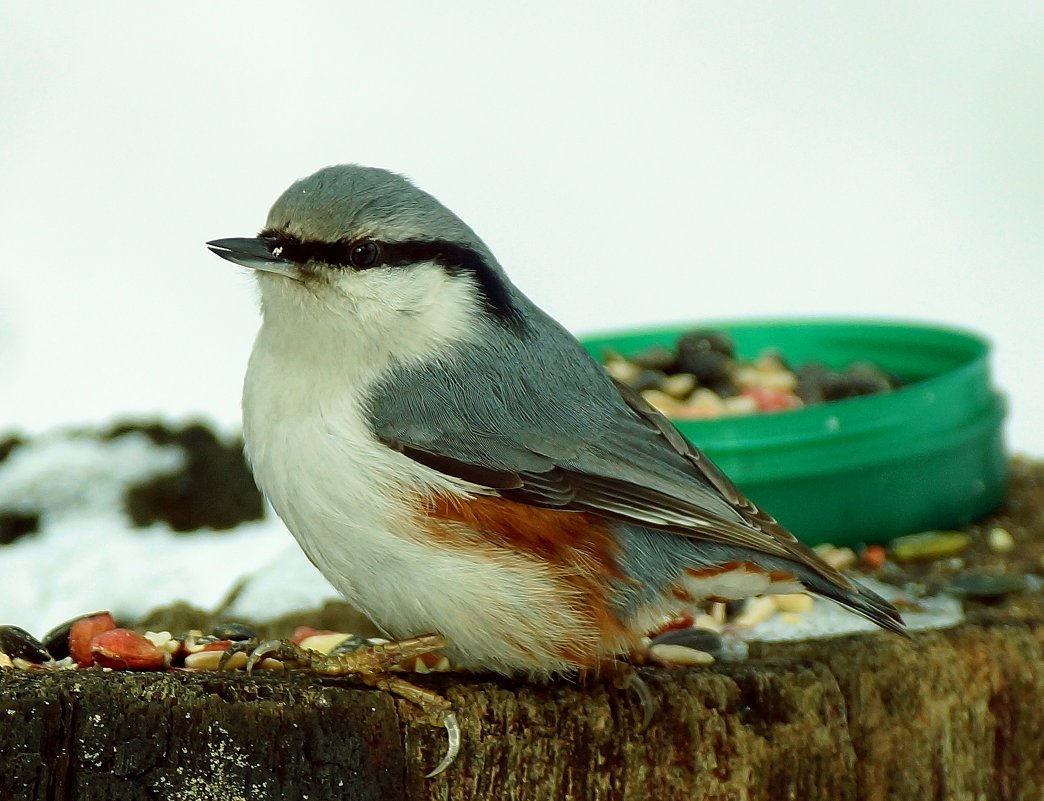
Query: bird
[(458, 466)]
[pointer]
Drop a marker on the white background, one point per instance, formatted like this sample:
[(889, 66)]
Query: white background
[(628, 163)]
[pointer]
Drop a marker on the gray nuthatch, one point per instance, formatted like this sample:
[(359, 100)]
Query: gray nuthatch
[(454, 462)]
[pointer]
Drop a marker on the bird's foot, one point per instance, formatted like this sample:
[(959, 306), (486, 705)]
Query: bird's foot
[(367, 659), (373, 664)]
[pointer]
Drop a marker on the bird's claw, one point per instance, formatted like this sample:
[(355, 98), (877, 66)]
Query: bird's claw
[(625, 677), (287, 652), (435, 710), (239, 647), (449, 720), (632, 681)]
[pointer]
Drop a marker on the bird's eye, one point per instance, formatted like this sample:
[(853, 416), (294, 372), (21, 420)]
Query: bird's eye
[(363, 255)]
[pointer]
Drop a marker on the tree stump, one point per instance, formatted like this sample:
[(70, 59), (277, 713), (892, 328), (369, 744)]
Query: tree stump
[(955, 714)]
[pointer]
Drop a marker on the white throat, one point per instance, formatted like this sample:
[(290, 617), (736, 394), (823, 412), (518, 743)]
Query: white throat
[(366, 322)]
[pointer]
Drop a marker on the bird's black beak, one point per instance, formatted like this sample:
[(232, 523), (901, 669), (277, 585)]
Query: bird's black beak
[(258, 253)]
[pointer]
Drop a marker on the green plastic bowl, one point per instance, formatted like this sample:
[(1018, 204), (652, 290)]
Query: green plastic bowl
[(866, 469)]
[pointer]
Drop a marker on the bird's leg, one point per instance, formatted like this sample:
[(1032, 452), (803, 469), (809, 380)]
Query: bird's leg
[(373, 665)]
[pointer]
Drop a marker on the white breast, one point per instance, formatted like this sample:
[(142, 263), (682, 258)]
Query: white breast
[(313, 453), (349, 500)]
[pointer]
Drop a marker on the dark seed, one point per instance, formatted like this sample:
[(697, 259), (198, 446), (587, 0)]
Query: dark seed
[(236, 632), (709, 367), (734, 609), (648, 379), (724, 389), (833, 387), (655, 358), (986, 585), (350, 645), (706, 640), (20, 644), (862, 380), (56, 641), (873, 375), (706, 340), (810, 383)]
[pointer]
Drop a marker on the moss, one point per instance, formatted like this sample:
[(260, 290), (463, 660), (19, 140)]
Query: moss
[(214, 490)]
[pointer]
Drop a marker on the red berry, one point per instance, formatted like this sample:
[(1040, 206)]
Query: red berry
[(304, 632), (874, 556), (124, 649), (217, 645), (82, 632), (773, 400)]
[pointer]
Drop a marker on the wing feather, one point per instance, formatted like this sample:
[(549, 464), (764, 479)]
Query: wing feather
[(596, 446)]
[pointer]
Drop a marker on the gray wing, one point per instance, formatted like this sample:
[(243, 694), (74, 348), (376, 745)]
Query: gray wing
[(536, 420)]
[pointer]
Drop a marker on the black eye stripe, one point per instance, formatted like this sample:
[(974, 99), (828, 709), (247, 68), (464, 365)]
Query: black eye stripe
[(337, 254), (393, 254), (456, 259)]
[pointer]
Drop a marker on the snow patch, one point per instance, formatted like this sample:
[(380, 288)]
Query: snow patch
[(60, 476)]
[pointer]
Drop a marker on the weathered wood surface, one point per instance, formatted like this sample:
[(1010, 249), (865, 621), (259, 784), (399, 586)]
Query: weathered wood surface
[(948, 715), (955, 715)]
